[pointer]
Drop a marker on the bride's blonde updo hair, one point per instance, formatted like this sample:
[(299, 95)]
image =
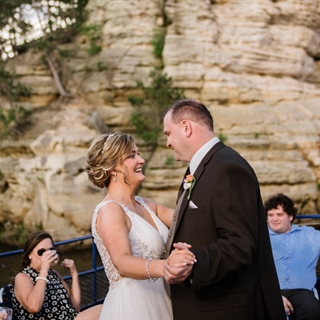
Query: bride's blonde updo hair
[(105, 152)]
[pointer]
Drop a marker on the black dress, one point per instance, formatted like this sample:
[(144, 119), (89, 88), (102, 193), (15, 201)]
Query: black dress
[(56, 304)]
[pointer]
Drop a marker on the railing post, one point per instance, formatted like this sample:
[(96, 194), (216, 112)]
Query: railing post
[(94, 267)]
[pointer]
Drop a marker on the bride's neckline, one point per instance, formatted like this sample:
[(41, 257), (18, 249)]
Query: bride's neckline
[(141, 204)]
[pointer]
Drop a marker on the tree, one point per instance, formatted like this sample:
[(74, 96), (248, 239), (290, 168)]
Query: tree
[(42, 25), (39, 25), (149, 110), (12, 90)]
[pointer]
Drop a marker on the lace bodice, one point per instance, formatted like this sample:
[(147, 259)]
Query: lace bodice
[(145, 240)]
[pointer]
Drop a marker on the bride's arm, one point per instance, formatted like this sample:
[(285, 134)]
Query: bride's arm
[(113, 226)]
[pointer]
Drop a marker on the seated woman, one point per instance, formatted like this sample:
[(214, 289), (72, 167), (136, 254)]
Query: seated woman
[(40, 292)]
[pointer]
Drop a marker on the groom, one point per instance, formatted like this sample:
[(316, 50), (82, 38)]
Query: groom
[(224, 221)]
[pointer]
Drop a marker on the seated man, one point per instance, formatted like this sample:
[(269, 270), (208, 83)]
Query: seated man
[(296, 250)]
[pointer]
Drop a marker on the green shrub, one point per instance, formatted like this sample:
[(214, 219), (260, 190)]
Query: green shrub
[(65, 53), (222, 137), (94, 49), (150, 108), (16, 115), (92, 31), (158, 43), (169, 161), (102, 67)]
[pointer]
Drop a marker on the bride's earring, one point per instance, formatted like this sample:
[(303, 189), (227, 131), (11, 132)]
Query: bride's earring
[(115, 177)]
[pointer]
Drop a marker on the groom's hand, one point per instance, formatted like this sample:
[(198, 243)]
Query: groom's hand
[(176, 274), (179, 264)]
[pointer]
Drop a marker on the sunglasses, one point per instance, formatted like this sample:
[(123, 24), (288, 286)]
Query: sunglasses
[(40, 252)]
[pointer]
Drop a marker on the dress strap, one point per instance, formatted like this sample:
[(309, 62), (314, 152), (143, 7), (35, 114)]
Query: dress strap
[(102, 204), (125, 209), (140, 200), (155, 218), (145, 205)]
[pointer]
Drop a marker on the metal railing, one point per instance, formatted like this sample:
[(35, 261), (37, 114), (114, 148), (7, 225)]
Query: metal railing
[(93, 282), (308, 216)]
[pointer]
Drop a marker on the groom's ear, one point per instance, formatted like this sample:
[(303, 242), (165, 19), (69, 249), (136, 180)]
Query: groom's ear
[(187, 127)]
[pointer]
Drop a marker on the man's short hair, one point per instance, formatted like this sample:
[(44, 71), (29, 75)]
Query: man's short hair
[(283, 201), (191, 110)]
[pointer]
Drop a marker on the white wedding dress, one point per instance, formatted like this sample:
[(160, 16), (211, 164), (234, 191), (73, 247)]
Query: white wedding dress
[(129, 298)]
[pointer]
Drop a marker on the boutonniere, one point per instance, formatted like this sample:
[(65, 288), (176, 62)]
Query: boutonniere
[(188, 183)]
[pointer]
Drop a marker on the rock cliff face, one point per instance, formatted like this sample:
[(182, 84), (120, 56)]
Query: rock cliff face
[(253, 63)]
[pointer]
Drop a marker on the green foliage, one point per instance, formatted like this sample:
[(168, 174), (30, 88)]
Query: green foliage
[(40, 179), (7, 117), (12, 90), (149, 109), (158, 43), (53, 23), (256, 135), (222, 137), (144, 127), (65, 53), (86, 68), (136, 101), (13, 118), (38, 226), (169, 161), (92, 31), (13, 233), (94, 49), (21, 233), (60, 20), (102, 67), (8, 85)]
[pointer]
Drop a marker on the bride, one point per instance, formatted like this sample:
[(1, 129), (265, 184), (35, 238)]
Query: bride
[(130, 233)]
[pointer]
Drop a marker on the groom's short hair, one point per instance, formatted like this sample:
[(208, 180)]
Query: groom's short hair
[(191, 110)]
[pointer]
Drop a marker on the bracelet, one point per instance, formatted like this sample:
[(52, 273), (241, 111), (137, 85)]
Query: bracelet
[(42, 278), (147, 268)]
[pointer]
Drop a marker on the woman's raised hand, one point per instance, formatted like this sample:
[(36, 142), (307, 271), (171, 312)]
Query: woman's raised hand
[(70, 265), (48, 258)]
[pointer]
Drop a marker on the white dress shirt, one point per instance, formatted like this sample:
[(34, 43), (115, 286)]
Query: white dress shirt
[(200, 154)]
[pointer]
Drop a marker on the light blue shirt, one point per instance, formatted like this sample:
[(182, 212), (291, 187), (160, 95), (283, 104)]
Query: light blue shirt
[(200, 154), (296, 255)]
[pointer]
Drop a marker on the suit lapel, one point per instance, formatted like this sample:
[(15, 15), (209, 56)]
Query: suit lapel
[(197, 176), (181, 185)]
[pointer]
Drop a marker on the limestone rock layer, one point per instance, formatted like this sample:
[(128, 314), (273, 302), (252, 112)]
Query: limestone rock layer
[(253, 63)]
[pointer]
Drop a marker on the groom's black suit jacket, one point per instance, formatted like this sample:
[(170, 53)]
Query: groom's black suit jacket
[(235, 276)]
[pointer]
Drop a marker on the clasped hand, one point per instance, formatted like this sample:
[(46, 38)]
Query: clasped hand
[(179, 264), (70, 265)]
